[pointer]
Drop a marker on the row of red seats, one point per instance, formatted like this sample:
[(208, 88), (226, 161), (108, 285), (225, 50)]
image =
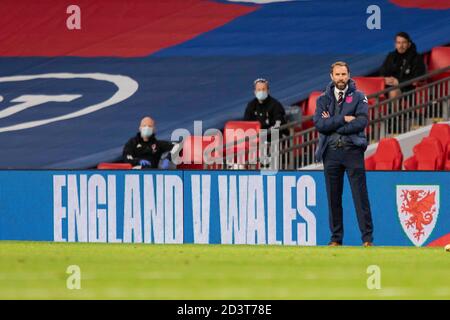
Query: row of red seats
[(234, 143), (432, 153), (194, 147), (438, 58)]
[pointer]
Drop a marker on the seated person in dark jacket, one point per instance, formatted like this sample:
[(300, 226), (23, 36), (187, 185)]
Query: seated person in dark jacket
[(264, 108), (144, 149), (402, 64)]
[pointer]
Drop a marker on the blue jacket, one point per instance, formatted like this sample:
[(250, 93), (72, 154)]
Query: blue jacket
[(355, 104)]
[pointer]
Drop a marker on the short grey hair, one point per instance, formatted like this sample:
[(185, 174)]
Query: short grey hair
[(261, 80)]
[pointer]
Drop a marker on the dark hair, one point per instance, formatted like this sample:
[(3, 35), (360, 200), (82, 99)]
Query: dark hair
[(340, 64), (403, 35)]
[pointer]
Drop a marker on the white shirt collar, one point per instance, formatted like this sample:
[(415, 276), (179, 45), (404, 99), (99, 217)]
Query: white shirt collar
[(336, 92)]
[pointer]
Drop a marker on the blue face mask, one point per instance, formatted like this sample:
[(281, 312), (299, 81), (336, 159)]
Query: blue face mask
[(261, 95), (146, 132)]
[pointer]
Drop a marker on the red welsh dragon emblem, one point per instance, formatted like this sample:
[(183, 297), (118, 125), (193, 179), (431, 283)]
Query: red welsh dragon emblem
[(418, 209)]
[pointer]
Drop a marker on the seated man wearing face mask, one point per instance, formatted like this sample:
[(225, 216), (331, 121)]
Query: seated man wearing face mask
[(264, 108), (144, 149)]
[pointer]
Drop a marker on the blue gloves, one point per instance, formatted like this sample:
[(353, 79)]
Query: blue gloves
[(144, 163), (165, 163)]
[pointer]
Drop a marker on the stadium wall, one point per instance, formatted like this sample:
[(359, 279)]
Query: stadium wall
[(215, 207)]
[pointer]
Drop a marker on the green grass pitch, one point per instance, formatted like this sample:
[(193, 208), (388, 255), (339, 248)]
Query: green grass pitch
[(32, 270)]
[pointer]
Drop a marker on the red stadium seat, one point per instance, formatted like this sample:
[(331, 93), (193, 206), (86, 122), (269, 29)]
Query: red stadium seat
[(193, 154), (310, 109), (428, 155), (235, 131), (370, 85), (421, 88), (426, 59), (388, 156), (439, 58), (441, 131), (410, 163), (114, 166)]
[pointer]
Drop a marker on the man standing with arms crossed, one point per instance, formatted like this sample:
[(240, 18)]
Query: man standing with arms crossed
[(341, 117)]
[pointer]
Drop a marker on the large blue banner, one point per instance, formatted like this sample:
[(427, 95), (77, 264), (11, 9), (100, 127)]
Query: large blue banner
[(215, 207), (82, 93)]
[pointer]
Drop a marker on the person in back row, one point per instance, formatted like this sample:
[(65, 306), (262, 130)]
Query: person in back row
[(264, 108), (402, 64), (144, 149)]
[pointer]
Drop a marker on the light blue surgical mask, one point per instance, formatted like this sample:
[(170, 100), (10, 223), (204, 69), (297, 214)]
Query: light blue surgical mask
[(146, 132), (261, 95)]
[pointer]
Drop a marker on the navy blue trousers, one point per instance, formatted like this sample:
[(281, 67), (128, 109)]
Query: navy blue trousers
[(336, 162)]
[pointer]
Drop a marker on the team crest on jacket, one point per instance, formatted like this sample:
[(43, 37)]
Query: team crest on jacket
[(418, 209), (154, 147)]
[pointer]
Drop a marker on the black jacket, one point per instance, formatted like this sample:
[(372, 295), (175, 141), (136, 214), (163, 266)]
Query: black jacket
[(267, 113), (404, 66), (137, 149)]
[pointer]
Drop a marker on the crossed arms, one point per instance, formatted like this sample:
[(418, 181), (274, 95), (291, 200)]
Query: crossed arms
[(342, 124)]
